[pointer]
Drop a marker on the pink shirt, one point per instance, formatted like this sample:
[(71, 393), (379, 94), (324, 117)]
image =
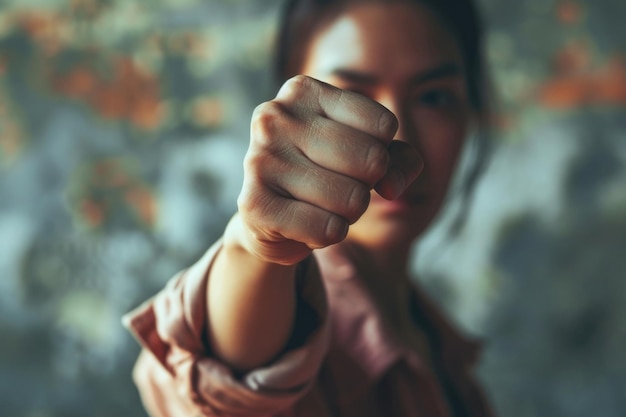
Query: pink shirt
[(348, 363)]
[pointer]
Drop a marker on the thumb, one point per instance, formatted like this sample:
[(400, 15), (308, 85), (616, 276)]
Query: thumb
[(405, 165)]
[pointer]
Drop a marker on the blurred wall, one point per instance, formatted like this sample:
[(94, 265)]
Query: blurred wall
[(122, 129)]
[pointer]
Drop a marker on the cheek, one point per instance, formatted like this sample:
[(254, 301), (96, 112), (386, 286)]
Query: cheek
[(441, 144)]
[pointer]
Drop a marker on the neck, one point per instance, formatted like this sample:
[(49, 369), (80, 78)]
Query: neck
[(384, 269), (388, 259)]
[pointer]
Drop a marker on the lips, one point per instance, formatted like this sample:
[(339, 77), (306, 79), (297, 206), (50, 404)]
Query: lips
[(408, 199), (414, 198), (416, 192)]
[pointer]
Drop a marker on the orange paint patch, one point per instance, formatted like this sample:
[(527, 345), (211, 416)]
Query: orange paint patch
[(143, 203), (44, 28), (207, 112), (569, 12), (80, 82), (565, 93), (37, 23), (609, 85), (92, 212), (11, 141), (575, 57), (605, 85), (147, 113), (108, 189), (129, 94)]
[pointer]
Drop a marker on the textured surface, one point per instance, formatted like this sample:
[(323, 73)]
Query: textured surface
[(122, 129)]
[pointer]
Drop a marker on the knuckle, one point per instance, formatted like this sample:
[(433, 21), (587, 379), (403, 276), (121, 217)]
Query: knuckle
[(387, 124), (357, 201), (300, 82), (253, 198), (246, 200), (266, 119), (296, 86), (335, 230), (376, 162), (253, 164)]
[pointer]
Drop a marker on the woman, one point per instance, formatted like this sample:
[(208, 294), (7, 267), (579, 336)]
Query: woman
[(305, 306)]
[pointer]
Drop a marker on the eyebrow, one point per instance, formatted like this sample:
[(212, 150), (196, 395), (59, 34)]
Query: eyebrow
[(449, 69)]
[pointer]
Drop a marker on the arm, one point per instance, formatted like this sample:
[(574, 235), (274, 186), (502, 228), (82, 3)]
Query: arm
[(250, 304), (315, 153)]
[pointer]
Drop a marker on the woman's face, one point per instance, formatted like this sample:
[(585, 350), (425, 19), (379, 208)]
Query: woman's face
[(402, 56)]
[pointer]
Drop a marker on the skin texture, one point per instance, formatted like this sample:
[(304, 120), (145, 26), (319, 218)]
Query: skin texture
[(360, 149), (416, 71)]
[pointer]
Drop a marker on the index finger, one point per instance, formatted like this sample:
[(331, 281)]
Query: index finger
[(346, 107)]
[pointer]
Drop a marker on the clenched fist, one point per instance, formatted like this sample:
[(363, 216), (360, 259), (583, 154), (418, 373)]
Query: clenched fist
[(315, 153)]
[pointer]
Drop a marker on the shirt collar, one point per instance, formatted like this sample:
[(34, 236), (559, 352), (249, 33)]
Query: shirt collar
[(361, 333)]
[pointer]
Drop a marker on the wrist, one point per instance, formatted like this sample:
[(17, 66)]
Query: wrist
[(240, 237), (240, 245)]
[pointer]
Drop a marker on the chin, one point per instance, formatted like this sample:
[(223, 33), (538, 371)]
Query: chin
[(387, 233), (394, 224)]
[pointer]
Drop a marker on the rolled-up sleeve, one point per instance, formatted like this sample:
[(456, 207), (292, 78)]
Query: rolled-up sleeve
[(177, 375)]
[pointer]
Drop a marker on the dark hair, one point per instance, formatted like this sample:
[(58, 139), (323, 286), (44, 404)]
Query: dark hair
[(301, 18)]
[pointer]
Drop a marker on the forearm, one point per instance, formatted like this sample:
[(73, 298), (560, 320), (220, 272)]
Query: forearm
[(251, 304)]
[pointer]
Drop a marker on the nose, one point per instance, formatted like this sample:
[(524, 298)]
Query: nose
[(407, 131), (413, 159)]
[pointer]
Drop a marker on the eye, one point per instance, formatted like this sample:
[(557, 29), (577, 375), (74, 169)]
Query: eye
[(436, 98)]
